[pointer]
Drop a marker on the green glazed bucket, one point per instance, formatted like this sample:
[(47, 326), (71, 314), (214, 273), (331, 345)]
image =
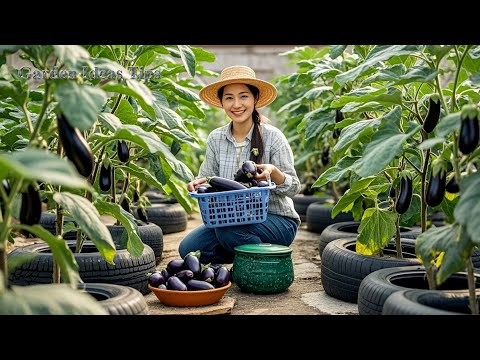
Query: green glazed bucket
[(263, 268)]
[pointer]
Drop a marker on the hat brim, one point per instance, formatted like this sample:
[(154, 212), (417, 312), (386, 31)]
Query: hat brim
[(267, 92)]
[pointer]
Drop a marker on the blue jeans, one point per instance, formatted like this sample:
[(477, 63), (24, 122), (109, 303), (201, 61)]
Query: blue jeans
[(216, 244)]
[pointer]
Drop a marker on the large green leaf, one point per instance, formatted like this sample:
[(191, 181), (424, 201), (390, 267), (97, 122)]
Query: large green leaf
[(110, 121), (70, 54), (430, 143), (450, 240), (316, 121), (336, 172), (448, 124), (386, 145), (88, 219), (367, 94), (61, 253), (337, 50), (316, 92), (14, 91), (352, 132), (188, 59), (378, 54), (375, 231), (438, 50), (162, 173), (48, 299), (134, 243), (141, 173), (144, 97), (36, 164), (182, 91), (467, 211), (179, 168), (165, 114), (203, 55), (178, 190), (112, 67), (125, 113), (81, 104)]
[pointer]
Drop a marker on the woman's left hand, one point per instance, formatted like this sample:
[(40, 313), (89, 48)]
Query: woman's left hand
[(272, 172)]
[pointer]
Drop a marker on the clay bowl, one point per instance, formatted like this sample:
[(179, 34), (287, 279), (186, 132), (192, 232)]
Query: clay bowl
[(190, 298)]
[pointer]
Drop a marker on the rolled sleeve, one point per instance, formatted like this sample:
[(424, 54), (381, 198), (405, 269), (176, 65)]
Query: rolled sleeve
[(283, 159)]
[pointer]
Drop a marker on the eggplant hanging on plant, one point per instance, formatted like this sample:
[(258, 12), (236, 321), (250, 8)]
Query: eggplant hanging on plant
[(105, 178), (142, 215), (31, 208), (122, 151), (452, 186), (431, 120), (338, 117), (75, 147), (405, 195), (436, 184), (125, 204), (325, 155), (469, 131)]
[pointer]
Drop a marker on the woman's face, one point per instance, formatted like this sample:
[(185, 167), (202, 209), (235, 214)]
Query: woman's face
[(238, 102)]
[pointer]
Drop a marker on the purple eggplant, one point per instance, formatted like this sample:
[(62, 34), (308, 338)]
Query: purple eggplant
[(205, 189), (185, 275), (262, 183), (223, 277), (240, 176), (175, 266), (254, 182), (194, 285), (192, 262), (156, 279), (165, 274), (215, 267), (208, 274), (174, 283), (223, 184), (249, 168), (162, 286)]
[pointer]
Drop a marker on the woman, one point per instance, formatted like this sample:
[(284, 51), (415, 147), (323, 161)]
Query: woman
[(246, 137)]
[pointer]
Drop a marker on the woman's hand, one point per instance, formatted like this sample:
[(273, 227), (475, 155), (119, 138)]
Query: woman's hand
[(193, 185), (272, 172)]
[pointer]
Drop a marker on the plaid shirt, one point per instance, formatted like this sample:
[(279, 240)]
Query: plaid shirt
[(221, 160)]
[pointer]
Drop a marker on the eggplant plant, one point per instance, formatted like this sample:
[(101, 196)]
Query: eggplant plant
[(410, 123), (72, 111)]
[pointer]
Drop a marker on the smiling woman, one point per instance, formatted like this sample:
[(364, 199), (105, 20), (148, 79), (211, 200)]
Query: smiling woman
[(247, 137)]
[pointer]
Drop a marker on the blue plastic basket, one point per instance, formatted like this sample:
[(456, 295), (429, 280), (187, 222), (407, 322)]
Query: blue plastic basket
[(234, 207)]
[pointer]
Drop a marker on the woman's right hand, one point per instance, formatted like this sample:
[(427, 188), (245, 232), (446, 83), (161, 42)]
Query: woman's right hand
[(193, 185)]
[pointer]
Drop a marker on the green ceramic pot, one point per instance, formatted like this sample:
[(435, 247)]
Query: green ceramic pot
[(263, 268)]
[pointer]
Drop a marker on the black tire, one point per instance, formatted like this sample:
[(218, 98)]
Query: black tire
[(342, 269), (349, 229), (127, 271), (427, 302), (48, 221), (319, 216), (156, 197), (302, 202), (117, 299), (151, 235), (376, 287), (171, 218)]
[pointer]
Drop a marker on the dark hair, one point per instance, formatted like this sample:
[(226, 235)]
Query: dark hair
[(257, 139)]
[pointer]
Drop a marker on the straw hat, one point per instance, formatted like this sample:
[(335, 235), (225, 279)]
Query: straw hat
[(234, 75)]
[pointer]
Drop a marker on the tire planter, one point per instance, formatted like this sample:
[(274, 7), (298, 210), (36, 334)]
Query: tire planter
[(117, 299), (349, 229), (150, 234), (127, 271), (302, 202), (171, 218), (379, 285), (48, 221), (156, 197), (319, 216), (342, 269), (427, 302)]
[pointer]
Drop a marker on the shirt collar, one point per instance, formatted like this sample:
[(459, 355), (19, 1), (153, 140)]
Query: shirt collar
[(229, 135)]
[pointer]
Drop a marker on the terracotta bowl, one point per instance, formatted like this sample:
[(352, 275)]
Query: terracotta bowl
[(189, 298)]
